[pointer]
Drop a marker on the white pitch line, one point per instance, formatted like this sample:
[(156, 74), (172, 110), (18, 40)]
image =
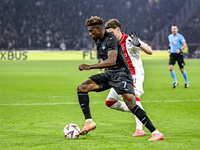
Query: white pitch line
[(72, 103), (49, 103)]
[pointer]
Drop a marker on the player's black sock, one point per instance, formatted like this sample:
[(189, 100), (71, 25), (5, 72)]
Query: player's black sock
[(142, 116), (84, 103)]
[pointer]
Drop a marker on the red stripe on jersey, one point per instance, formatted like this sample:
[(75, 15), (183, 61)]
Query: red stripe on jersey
[(128, 59)]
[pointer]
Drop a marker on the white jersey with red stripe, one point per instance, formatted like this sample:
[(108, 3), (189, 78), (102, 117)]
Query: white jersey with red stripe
[(132, 53)]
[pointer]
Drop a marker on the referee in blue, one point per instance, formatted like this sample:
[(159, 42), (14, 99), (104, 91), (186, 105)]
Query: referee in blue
[(176, 44)]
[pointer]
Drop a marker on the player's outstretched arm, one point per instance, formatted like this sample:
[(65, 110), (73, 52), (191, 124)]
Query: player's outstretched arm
[(136, 42), (146, 49), (184, 46)]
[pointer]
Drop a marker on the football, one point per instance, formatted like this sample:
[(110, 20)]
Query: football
[(71, 131)]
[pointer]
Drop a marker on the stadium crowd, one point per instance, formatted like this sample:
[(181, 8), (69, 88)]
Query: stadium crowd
[(50, 24), (192, 33)]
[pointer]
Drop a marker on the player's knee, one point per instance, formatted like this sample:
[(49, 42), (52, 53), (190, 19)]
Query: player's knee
[(78, 88), (182, 69), (131, 103), (81, 89), (109, 103), (171, 68)]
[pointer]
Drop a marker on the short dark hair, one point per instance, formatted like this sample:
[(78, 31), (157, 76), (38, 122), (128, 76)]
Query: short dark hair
[(174, 25), (94, 20), (113, 23)]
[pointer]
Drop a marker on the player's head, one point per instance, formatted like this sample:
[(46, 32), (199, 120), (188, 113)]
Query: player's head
[(114, 26), (174, 29), (95, 27)]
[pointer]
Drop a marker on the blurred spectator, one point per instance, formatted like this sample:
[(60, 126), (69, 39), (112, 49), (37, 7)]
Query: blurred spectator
[(47, 24)]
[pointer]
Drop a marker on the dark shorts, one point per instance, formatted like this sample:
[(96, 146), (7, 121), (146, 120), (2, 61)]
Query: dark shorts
[(120, 81), (177, 57)]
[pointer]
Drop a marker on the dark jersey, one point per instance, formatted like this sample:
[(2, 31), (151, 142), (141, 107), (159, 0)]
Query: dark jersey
[(111, 42)]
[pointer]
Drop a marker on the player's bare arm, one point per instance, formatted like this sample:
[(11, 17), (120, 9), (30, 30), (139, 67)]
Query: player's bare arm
[(111, 61), (146, 49), (183, 47)]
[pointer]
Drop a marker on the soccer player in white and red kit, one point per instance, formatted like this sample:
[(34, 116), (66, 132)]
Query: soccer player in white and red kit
[(132, 50)]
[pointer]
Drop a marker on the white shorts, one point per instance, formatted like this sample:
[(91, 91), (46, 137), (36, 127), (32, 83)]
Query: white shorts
[(138, 79)]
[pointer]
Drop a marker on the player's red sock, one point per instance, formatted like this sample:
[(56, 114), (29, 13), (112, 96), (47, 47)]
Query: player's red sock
[(110, 103)]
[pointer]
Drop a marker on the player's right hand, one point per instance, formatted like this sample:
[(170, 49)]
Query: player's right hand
[(80, 69), (134, 39), (84, 67)]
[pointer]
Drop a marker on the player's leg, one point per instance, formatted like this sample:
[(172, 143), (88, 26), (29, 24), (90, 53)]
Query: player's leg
[(124, 86), (181, 64), (142, 116), (138, 87), (139, 131), (172, 61), (184, 73), (112, 101), (97, 83), (83, 97), (173, 74)]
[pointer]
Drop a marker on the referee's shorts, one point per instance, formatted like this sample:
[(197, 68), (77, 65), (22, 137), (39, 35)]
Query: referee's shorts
[(177, 57)]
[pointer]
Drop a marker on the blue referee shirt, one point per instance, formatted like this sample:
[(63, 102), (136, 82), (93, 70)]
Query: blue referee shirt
[(176, 42)]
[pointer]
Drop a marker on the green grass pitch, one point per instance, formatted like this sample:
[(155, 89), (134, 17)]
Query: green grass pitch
[(38, 98)]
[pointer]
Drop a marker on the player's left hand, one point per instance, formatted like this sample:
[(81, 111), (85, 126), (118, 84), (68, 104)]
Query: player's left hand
[(84, 67), (135, 39)]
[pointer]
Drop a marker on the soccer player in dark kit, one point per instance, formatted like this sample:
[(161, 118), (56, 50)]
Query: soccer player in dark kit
[(118, 76)]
